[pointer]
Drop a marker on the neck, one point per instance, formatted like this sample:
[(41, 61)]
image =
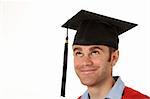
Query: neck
[(101, 90)]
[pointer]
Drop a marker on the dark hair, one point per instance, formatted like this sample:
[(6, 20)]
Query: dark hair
[(111, 50)]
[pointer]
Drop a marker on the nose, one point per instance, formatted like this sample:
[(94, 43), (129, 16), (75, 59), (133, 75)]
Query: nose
[(87, 61)]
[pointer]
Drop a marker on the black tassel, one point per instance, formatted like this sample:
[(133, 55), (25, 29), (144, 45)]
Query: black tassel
[(63, 84)]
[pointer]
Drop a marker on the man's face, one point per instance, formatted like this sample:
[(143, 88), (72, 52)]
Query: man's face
[(92, 64)]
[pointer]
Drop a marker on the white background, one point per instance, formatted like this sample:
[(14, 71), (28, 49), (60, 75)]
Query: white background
[(31, 46)]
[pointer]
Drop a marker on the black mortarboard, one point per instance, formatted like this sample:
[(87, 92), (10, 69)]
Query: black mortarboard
[(94, 29)]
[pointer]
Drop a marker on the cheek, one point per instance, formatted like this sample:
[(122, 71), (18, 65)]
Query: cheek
[(77, 65), (97, 61), (101, 63), (77, 62)]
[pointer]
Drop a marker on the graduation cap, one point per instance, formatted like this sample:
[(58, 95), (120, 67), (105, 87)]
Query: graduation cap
[(93, 29)]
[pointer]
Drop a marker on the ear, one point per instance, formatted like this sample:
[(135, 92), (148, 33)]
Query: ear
[(114, 57)]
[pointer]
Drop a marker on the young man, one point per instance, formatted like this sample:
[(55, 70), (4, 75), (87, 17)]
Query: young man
[(95, 49)]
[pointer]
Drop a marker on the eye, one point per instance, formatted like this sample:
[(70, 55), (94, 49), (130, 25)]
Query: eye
[(80, 54), (95, 53)]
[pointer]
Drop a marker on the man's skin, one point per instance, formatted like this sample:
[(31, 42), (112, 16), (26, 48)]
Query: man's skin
[(94, 64)]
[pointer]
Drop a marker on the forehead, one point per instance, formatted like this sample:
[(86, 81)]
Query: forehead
[(88, 47)]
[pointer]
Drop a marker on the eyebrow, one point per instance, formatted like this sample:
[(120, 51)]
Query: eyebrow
[(92, 48), (95, 47), (77, 48)]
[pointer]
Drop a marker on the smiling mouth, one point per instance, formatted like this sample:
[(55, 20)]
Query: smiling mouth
[(88, 71)]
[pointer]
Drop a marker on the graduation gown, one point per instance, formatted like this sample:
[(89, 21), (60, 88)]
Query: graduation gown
[(130, 93)]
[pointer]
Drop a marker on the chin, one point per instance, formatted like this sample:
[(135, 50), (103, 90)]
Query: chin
[(87, 82)]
